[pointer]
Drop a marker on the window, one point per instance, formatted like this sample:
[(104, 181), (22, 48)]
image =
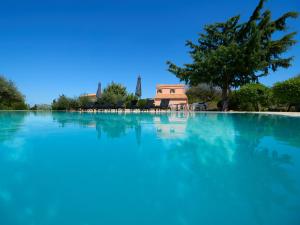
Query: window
[(172, 91), (159, 91)]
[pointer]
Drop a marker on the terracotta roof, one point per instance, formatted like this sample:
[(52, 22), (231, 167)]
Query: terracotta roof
[(90, 95), (170, 96), (170, 86)]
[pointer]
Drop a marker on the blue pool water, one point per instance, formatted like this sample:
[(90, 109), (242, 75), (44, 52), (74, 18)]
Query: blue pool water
[(147, 169)]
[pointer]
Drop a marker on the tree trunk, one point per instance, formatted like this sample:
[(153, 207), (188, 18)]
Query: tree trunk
[(289, 107), (225, 100)]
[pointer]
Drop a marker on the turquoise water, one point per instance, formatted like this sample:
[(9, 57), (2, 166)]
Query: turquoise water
[(146, 169)]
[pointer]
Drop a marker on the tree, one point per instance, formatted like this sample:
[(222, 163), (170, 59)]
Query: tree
[(113, 94), (288, 92), (10, 97), (115, 89), (129, 98), (251, 97), (42, 107), (203, 93), (231, 54), (84, 102), (62, 103)]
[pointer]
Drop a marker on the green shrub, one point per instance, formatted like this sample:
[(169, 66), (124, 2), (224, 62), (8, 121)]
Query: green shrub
[(288, 92), (115, 89), (251, 97), (83, 102), (141, 103), (10, 97), (129, 99), (43, 107), (113, 94), (62, 103), (203, 93), (66, 103)]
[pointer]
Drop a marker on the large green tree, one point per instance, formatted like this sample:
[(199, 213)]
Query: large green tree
[(115, 89), (113, 94), (62, 103), (233, 53), (10, 97)]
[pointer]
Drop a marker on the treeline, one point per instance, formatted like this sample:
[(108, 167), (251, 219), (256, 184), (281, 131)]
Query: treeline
[(113, 96), (10, 97), (282, 96)]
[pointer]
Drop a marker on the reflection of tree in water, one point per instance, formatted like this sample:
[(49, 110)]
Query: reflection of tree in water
[(222, 165), (232, 167), (10, 123), (113, 125), (254, 127)]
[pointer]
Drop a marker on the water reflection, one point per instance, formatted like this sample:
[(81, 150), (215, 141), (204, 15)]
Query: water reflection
[(171, 126), (10, 124), (189, 169), (252, 173), (115, 126), (110, 124)]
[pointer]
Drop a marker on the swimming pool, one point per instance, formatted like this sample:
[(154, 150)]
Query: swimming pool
[(146, 169)]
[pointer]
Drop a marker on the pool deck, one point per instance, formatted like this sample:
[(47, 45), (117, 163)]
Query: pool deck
[(292, 114)]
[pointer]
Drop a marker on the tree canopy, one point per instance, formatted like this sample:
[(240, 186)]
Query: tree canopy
[(251, 97), (62, 103), (115, 89), (203, 93), (113, 94), (10, 97), (233, 53), (288, 92)]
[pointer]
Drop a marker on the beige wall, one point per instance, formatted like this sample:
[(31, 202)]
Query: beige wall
[(167, 90), (172, 101), (176, 94)]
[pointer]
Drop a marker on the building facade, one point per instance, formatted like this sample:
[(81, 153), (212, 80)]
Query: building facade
[(175, 93), (92, 97)]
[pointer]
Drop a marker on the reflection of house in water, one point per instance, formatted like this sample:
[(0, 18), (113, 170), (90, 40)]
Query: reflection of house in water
[(171, 125)]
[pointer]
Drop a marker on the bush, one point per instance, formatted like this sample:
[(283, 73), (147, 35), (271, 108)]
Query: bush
[(62, 103), (115, 89), (141, 103), (113, 94), (10, 97), (251, 97), (129, 99), (288, 93), (203, 93), (83, 102), (43, 107)]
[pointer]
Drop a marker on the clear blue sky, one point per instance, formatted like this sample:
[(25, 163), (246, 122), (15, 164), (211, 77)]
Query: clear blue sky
[(63, 46)]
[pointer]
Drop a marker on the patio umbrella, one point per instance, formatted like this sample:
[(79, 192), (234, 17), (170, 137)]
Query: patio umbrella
[(98, 94), (138, 90)]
